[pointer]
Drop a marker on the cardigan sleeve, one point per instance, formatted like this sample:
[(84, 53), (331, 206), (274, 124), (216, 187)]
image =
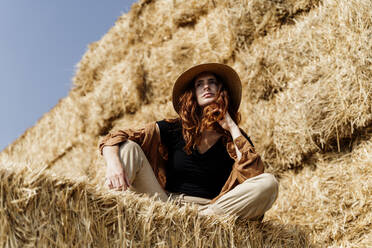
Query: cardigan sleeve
[(113, 138), (144, 136), (148, 138), (249, 165)]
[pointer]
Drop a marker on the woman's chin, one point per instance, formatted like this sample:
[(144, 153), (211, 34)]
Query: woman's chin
[(206, 103)]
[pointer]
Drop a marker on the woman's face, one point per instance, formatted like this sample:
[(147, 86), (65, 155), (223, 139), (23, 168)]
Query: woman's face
[(206, 88)]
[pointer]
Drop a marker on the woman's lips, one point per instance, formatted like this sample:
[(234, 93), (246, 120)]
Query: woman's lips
[(207, 95)]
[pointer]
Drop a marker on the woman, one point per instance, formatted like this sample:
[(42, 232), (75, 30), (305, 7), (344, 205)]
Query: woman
[(202, 157)]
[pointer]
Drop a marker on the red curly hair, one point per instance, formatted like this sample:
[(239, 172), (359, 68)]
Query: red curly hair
[(195, 119)]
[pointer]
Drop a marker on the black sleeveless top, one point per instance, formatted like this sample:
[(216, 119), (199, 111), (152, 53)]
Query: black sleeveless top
[(201, 175)]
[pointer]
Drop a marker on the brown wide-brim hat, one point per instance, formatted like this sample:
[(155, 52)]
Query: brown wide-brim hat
[(229, 76)]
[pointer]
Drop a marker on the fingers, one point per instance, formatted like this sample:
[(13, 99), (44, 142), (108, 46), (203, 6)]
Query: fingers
[(116, 177), (121, 184), (113, 182), (118, 182), (126, 182), (108, 183)]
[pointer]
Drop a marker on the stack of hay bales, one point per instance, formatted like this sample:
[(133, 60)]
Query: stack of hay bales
[(306, 69)]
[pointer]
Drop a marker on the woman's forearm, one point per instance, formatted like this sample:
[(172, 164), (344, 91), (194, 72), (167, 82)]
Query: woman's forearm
[(235, 133), (115, 174), (111, 154)]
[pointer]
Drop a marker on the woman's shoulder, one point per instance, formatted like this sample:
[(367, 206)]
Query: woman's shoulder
[(169, 124), (170, 130)]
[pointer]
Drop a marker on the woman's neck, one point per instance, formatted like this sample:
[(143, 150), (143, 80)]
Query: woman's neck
[(208, 139), (210, 135)]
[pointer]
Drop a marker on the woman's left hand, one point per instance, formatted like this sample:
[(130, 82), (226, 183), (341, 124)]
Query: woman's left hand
[(227, 123)]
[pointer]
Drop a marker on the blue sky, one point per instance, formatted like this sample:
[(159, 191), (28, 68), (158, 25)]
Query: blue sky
[(41, 42)]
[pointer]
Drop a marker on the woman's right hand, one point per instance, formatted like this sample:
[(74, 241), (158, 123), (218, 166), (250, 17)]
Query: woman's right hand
[(116, 177)]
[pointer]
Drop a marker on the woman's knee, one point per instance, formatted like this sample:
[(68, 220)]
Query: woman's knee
[(128, 146), (268, 184), (130, 150)]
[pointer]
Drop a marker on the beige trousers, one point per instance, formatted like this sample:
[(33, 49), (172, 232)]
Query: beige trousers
[(251, 199)]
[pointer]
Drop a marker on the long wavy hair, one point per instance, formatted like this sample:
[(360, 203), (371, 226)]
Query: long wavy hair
[(195, 119)]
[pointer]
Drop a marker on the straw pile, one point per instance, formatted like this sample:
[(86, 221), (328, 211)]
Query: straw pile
[(306, 69), (333, 200), (39, 210)]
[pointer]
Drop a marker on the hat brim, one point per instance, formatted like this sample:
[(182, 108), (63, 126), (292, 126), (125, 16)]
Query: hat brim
[(229, 76)]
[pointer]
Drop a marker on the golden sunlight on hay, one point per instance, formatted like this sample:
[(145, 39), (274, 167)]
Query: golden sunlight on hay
[(306, 69)]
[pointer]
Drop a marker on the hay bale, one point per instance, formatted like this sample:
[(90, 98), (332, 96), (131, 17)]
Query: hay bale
[(38, 209), (332, 199), (313, 82)]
